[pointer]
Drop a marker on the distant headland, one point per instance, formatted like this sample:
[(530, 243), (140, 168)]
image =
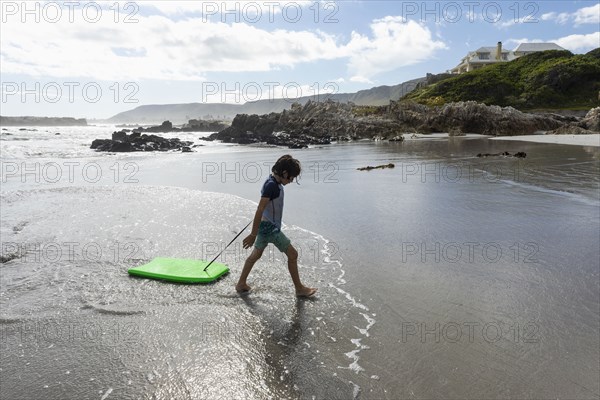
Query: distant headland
[(42, 121)]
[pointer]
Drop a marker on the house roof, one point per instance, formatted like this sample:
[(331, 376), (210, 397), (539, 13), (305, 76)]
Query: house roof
[(489, 50), (538, 47)]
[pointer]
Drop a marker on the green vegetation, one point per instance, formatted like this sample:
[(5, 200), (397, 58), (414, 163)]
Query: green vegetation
[(363, 111), (549, 80)]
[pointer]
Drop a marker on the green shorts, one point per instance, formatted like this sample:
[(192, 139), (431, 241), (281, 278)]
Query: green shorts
[(267, 234)]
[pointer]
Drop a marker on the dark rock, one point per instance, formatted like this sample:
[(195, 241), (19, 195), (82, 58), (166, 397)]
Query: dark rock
[(165, 127), (186, 149), (369, 168), (120, 136), (195, 125), (520, 154), (57, 133), (98, 143), (121, 142), (121, 147), (4, 258)]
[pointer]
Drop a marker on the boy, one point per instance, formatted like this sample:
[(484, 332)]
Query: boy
[(266, 227)]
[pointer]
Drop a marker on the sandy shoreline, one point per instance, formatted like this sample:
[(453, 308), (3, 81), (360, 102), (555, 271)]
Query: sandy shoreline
[(580, 140)]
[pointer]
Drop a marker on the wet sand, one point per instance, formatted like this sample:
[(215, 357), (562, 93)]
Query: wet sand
[(579, 140)]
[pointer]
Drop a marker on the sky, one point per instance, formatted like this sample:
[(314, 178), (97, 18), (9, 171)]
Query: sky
[(95, 59)]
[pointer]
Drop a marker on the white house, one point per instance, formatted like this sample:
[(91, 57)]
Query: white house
[(492, 55)]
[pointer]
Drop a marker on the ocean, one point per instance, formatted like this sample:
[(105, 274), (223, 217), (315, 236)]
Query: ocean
[(447, 276)]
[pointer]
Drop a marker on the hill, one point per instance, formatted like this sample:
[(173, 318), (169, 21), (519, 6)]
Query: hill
[(181, 113), (545, 80)]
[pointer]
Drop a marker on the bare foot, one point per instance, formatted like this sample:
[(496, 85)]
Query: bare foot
[(305, 292), (242, 288)]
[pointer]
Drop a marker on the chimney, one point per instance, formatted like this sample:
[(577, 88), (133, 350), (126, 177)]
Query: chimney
[(499, 51)]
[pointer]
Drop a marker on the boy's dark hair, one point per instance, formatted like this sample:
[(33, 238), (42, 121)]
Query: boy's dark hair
[(289, 164)]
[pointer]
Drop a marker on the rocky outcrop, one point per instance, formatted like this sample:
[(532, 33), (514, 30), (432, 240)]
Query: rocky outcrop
[(590, 124), (193, 125), (320, 123), (165, 127), (199, 125), (591, 121), (312, 124), (570, 130), (470, 117), (122, 142)]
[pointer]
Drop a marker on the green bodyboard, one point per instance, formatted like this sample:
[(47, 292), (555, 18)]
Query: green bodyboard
[(180, 270)]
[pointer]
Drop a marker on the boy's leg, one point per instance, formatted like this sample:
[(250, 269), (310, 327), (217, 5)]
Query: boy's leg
[(256, 254), (301, 290)]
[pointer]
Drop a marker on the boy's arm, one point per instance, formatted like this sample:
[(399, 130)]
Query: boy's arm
[(249, 240), (258, 216)]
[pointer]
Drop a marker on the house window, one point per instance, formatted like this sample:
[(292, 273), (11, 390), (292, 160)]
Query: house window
[(505, 57), (484, 56)]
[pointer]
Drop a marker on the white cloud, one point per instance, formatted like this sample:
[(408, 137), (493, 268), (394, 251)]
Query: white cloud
[(579, 43), (158, 47), (395, 43), (162, 48), (360, 79), (586, 15), (561, 18)]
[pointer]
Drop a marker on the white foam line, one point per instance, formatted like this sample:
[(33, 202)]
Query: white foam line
[(572, 196), (370, 323), (349, 297), (353, 355), (327, 259), (355, 390), (108, 392)]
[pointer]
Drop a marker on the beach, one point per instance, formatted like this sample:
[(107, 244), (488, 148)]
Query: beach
[(579, 140), (443, 277)]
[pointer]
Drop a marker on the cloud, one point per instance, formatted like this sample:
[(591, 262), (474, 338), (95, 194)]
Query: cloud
[(559, 18), (586, 15), (158, 47), (395, 43), (360, 79), (580, 43)]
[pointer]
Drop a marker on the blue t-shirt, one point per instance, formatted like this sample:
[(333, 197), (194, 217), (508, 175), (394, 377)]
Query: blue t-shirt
[(274, 210)]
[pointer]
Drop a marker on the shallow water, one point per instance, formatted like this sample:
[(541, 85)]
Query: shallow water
[(69, 296), (449, 276)]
